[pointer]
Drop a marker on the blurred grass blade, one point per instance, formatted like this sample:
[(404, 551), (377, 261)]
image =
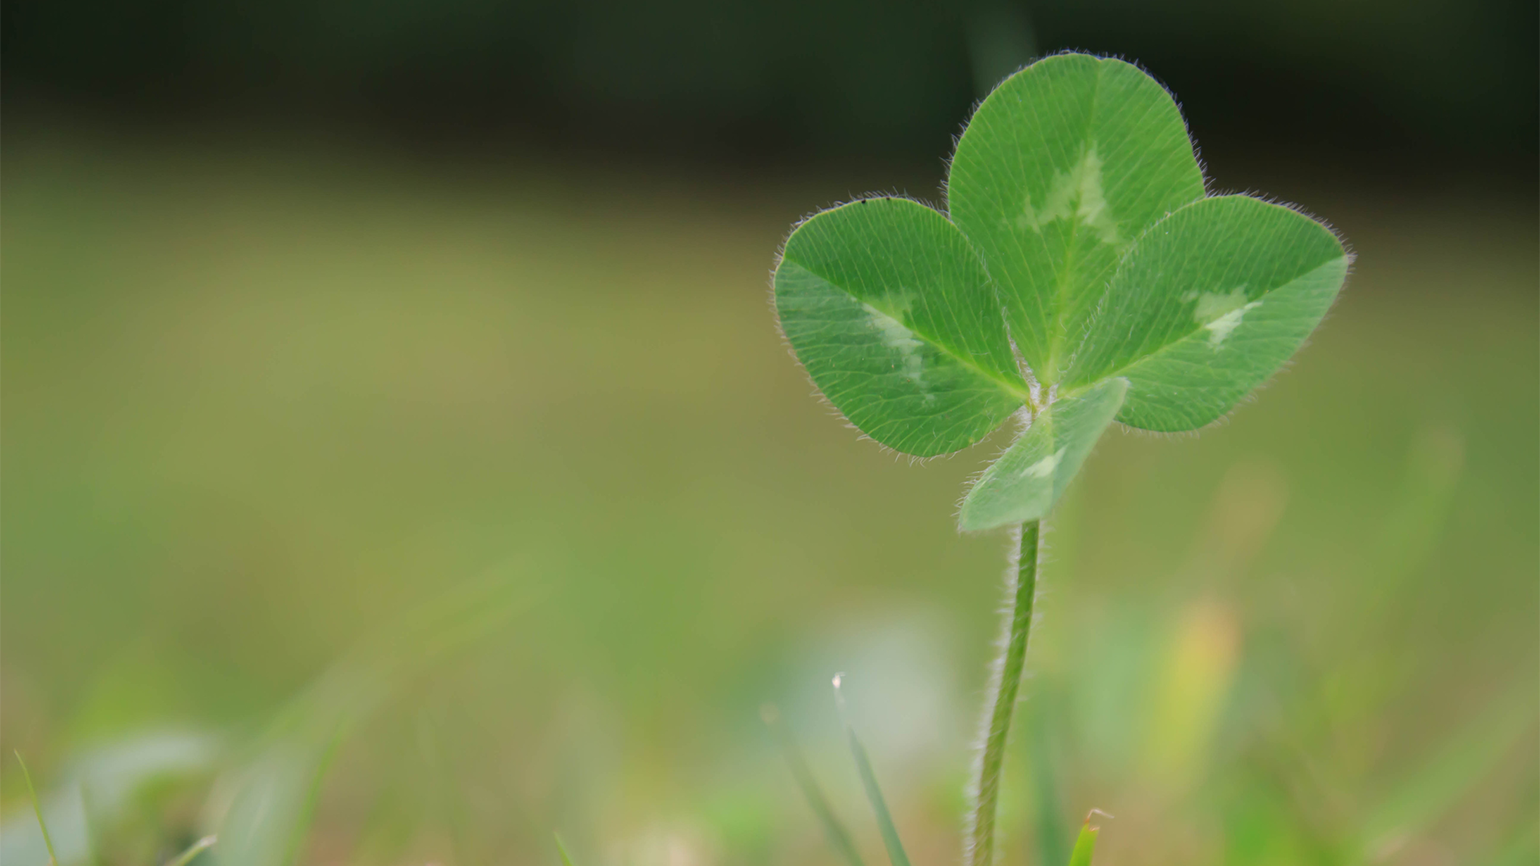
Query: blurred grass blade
[(194, 850), (1520, 849), (895, 847), (890, 838), (269, 816), (838, 837), (1048, 811), (1085, 845), (269, 800), (445, 792), (37, 808), (89, 825), (1415, 527), (100, 786), (566, 859), (1438, 785)]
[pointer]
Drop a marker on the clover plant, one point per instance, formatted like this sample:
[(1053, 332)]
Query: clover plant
[(1079, 275)]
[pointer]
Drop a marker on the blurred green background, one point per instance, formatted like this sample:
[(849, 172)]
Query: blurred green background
[(400, 461)]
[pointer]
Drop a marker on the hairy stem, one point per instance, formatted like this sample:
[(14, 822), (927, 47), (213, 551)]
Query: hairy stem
[(1004, 685)]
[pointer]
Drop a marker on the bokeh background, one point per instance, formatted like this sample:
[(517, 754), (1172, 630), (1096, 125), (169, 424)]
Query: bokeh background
[(401, 463)]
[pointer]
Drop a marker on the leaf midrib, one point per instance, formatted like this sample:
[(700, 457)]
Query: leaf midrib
[(1018, 391), (1056, 327)]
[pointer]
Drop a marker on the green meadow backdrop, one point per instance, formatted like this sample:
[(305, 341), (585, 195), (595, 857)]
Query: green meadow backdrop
[(382, 488)]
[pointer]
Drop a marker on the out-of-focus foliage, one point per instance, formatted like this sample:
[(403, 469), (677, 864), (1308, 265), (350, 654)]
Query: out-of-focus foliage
[(259, 806), (263, 404), (805, 77)]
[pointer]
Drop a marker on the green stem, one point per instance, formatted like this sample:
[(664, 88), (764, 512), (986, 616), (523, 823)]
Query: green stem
[(1002, 702)]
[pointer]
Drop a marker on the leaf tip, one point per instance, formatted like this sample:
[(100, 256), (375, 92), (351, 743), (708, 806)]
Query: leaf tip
[(1095, 812), (1085, 844)]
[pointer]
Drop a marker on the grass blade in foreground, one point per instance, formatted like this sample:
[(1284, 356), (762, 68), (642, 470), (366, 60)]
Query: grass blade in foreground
[(566, 859), (1432, 789), (1053, 843), (834, 831), (1521, 848), (1085, 846), (194, 850), (889, 832), (103, 785), (37, 807), (269, 798)]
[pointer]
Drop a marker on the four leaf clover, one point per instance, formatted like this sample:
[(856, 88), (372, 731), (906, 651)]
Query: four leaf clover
[(1080, 274)]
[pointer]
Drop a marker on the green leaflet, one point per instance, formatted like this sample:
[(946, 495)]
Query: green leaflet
[(1207, 306), (1080, 246), (1029, 478), (1060, 169), (891, 312)]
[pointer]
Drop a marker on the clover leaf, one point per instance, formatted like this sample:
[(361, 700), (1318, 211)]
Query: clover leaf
[(1080, 275)]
